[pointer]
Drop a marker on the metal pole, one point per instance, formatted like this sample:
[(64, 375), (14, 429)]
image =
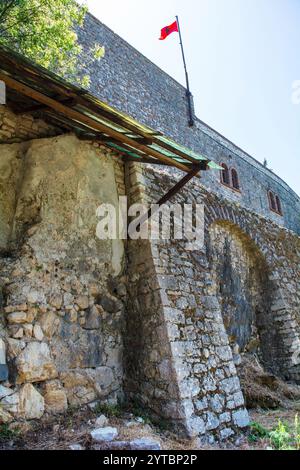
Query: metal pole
[(188, 92)]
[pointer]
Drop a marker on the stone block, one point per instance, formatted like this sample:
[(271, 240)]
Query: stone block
[(34, 364), (241, 418), (104, 434), (2, 352), (145, 443), (31, 404), (3, 372)]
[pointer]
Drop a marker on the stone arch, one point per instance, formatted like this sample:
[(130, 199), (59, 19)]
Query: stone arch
[(255, 317)]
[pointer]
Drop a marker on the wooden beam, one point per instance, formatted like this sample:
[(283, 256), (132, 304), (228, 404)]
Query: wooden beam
[(203, 164), (42, 107), (77, 116), (150, 161), (82, 97), (173, 191)]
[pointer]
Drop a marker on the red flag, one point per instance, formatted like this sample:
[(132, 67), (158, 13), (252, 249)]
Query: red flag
[(165, 32)]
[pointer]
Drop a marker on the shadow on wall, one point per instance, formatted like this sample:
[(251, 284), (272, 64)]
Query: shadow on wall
[(246, 295)]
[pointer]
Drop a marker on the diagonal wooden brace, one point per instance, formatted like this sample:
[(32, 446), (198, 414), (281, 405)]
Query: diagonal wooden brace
[(173, 191)]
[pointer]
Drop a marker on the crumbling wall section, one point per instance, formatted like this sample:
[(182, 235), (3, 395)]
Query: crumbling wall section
[(22, 127), (63, 290)]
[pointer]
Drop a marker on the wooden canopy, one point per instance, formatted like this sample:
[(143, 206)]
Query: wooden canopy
[(33, 89)]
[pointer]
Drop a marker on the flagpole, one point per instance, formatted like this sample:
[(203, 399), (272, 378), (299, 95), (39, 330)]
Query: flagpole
[(188, 91)]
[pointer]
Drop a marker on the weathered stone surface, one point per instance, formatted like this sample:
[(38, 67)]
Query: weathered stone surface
[(31, 404), (109, 304), (185, 310), (5, 391), (104, 434), (34, 364), (76, 447), (76, 348), (55, 397), (38, 332), (5, 417), (20, 317), (36, 297), (83, 302), (2, 352), (15, 308), (16, 332), (145, 443), (10, 403), (3, 372), (241, 418), (93, 319), (103, 379), (226, 433), (15, 347), (79, 387), (212, 421), (50, 324), (56, 301), (101, 421)]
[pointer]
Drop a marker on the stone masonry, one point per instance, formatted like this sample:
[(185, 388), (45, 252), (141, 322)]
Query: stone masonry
[(133, 84), (85, 320), (62, 290), (199, 311)]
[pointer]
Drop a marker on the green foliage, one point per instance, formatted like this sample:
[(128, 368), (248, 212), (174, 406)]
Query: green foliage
[(111, 411), (6, 433), (257, 432), (283, 437), (44, 31)]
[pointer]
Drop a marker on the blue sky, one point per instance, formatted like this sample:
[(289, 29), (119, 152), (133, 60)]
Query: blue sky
[(243, 57)]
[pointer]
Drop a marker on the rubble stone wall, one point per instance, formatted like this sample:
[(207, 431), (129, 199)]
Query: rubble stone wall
[(62, 290), (83, 319), (21, 127)]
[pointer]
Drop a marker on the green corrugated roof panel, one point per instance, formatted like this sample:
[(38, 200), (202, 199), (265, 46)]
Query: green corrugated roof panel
[(115, 120), (181, 148)]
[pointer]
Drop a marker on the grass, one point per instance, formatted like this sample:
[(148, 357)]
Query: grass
[(282, 437), (6, 433), (111, 411), (258, 432)]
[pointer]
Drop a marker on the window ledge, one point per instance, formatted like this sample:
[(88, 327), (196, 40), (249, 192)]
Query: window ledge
[(228, 186), (276, 212)]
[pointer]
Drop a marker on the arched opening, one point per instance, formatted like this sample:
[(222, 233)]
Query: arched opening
[(225, 175), (278, 205), (235, 179), (242, 285), (272, 201)]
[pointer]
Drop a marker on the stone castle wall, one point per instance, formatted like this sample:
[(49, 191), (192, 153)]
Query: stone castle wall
[(83, 320), (200, 311), (133, 84)]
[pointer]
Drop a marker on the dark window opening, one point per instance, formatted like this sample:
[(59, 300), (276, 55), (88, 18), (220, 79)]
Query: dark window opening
[(278, 204), (235, 179), (225, 176), (275, 203)]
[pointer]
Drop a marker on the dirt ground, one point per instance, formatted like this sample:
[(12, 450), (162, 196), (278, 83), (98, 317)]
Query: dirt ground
[(59, 433)]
